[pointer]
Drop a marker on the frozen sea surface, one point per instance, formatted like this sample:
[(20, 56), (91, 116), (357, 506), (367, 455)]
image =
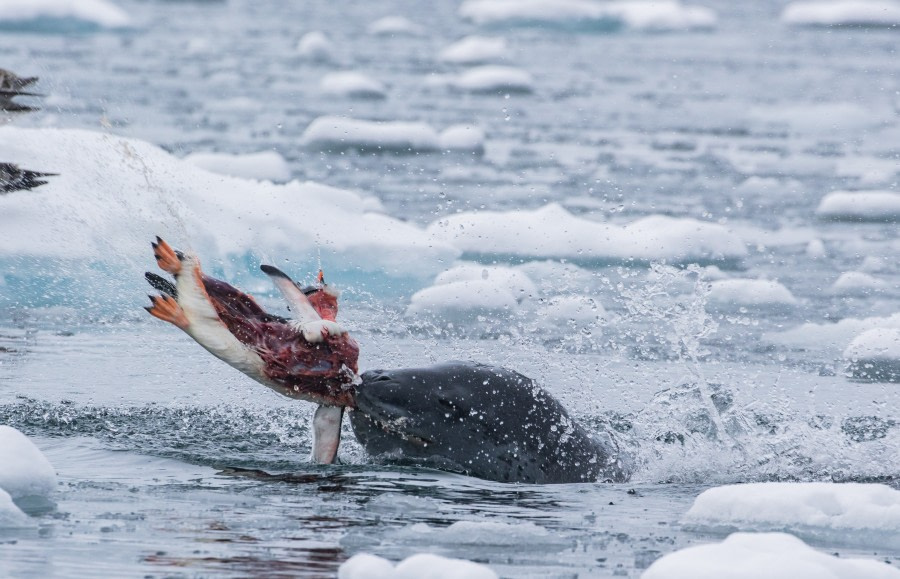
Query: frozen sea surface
[(742, 128)]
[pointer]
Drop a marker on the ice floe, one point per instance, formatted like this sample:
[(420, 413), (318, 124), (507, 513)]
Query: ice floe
[(634, 14), (523, 535), (475, 50), (463, 299), (24, 470), (395, 26), (332, 133), (860, 206), (857, 283), (769, 555), (353, 85), (553, 232), (11, 516), (113, 194), (467, 138), (850, 513), (750, 292), (843, 13), (421, 566), (316, 46), (61, 14), (875, 355), (513, 280), (490, 78), (833, 337), (582, 311), (262, 166)]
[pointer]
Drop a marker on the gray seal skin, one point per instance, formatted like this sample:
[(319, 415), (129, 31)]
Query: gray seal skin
[(482, 421)]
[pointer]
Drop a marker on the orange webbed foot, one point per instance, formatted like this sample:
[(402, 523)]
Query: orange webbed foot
[(166, 258), (167, 309)]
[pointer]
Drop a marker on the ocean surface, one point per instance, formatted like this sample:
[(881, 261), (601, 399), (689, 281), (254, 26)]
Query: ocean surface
[(172, 464)]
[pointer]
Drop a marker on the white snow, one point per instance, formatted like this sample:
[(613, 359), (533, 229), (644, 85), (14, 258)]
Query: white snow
[(421, 566), (751, 292), (395, 26), (339, 133), (635, 14), (24, 470), (262, 166), (475, 50), (98, 12), (843, 13), (768, 555), (849, 513), (462, 138), (462, 299), (352, 84), (11, 516), (875, 355), (490, 78), (831, 336), (553, 232), (860, 206), (113, 195), (857, 283), (316, 46), (514, 281)]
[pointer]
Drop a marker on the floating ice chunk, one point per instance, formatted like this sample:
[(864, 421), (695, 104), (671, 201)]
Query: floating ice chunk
[(818, 118), (395, 26), (873, 264), (262, 166), (860, 206), (751, 292), (490, 78), (316, 46), (875, 355), (51, 14), (635, 14), (857, 283), (463, 299), (843, 13), (851, 513), (756, 184), (421, 566), (462, 138), (815, 249), (834, 336), (578, 310), (11, 516), (24, 470), (769, 555), (352, 84), (331, 133), (553, 232), (113, 194), (475, 50), (512, 280), (519, 534)]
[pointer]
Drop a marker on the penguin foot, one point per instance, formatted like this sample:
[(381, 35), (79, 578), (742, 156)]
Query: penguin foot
[(166, 258), (167, 309)]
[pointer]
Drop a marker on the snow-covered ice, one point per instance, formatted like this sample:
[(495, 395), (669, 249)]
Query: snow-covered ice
[(316, 47), (93, 12), (475, 50), (860, 206), (553, 232), (24, 470), (875, 355), (421, 566), (463, 299), (513, 280), (353, 85), (857, 283), (331, 133), (395, 26), (769, 555), (635, 14), (490, 78), (751, 292), (468, 138), (843, 13), (11, 516), (113, 194), (850, 513), (262, 166)]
